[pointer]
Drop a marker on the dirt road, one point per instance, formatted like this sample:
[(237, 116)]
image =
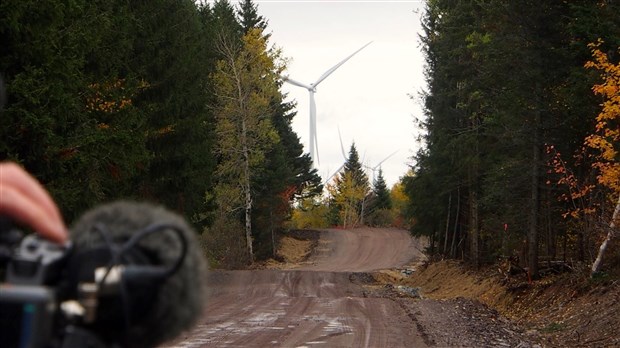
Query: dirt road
[(333, 300), (319, 305)]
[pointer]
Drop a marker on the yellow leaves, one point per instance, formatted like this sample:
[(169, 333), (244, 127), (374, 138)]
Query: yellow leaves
[(609, 174), (605, 147)]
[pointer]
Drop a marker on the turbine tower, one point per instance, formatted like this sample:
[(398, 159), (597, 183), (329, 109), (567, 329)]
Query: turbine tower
[(314, 149)]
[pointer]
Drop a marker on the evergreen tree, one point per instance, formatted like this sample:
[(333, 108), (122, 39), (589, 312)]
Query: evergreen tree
[(484, 164), (225, 22), (381, 192), (287, 176), (70, 119), (249, 18), (354, 166), (350, 190), (169, 54), (379, 203)]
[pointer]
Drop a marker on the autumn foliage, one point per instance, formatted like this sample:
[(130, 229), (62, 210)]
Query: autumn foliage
[(606, 140)]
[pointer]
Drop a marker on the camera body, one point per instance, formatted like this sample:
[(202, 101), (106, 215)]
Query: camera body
[(55, 296), (130, 277), (31, 295)]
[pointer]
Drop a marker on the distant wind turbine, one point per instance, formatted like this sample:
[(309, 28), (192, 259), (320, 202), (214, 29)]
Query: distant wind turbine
[(378, 165), (314, 148)]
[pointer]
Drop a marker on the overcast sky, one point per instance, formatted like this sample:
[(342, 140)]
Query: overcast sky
[(367, 98)]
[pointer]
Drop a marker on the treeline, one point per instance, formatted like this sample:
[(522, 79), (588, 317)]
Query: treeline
[(115, 99), (353, 200), (506, 171)]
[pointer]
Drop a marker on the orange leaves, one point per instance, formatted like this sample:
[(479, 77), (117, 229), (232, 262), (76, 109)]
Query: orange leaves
[(163, 131), (607, 137), (605, 141), (578, 191), (112, 96)]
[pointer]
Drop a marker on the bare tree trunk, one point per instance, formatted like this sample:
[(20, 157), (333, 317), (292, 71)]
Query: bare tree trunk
[(532, 235), (344, 221), (273, 233), (456, 221), (596, 266), (445, 240), (473, 227), (474, 218), (248, 193), (363, 208)]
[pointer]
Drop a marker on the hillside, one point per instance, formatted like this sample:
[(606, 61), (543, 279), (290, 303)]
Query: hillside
[(564, 310)]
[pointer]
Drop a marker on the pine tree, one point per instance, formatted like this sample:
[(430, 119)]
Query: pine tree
[(354, 166), (286, 177), (350, 190), (379, 203), (247, 12), (170, 54), (381, 192), (225, 21)]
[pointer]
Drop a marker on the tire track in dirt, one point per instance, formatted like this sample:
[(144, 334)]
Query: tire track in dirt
[(314, 306)]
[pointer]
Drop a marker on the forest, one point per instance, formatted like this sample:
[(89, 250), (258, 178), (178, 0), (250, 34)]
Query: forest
[(166, 101), (180, 103), (521, 132)]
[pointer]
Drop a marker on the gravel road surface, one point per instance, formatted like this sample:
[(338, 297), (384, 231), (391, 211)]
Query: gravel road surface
[(317, 305)]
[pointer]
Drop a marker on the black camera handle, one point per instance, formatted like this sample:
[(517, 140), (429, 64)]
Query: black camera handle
[(75, 335)]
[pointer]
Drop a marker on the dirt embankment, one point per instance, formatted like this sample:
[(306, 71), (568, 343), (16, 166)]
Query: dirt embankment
[(563, 310)]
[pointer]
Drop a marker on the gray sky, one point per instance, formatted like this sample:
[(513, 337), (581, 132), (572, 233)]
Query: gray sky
[(367, 98)]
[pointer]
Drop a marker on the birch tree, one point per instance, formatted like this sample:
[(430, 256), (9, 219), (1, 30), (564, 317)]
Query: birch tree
[(244, 84)]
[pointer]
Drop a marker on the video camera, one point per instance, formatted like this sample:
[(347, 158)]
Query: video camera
[(86, 294)]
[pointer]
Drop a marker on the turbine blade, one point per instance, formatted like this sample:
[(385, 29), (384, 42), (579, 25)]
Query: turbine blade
[(334, 174), (328, 72), (344, 154), (385, 159), (296, 83)]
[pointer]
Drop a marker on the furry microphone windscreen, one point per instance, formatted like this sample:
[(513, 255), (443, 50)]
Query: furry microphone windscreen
[(178, 302)]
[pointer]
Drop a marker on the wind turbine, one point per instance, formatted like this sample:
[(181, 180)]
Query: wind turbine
[(374, 169), (314, 149)]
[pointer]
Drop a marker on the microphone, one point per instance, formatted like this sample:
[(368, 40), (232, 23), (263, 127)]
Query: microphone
[(162, 267)]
